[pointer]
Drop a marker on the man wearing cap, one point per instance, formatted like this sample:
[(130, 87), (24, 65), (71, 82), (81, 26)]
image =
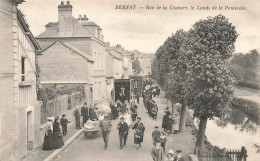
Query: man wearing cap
[(156, 135), (123, 132), (178, 157), (157, 152), (77, 118), (106, 127), (139, 132)]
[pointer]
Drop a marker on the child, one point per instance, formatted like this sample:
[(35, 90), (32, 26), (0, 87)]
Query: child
[(169, 156), (64, 122)]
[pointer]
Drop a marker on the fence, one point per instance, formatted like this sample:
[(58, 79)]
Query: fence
[(58, 106), (223, 155)]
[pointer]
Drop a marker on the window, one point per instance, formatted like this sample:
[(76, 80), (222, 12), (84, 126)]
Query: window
[(99, 61), (23, 69)]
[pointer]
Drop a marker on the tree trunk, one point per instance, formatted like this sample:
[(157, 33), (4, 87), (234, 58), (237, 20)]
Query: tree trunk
[(174, 108), (169, 104), (182, 117), (201, 133)]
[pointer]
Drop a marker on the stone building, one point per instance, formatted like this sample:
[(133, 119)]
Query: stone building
[(146, 63), (114, 69), (86, 37), (62, 63), (19, 112)]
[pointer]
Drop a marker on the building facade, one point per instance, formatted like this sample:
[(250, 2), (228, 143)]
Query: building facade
[(62, 63), (18, 76), (146, 63), (86, 37)]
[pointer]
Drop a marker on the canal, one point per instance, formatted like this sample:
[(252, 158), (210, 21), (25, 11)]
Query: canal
[(234, 131)]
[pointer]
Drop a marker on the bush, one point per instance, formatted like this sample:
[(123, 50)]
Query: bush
[(250, 108)]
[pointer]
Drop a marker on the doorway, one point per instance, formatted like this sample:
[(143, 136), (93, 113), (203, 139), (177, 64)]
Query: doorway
[(29, 132)]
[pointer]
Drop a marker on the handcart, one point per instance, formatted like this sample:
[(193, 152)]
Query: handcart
[(91, 127)]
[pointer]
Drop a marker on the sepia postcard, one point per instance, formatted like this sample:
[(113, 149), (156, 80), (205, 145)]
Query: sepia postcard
[(130, 80)]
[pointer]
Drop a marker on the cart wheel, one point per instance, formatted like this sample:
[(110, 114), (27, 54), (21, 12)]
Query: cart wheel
[(86, 135)]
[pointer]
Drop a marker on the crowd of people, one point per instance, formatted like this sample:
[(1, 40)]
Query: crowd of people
[(126, 112), (149, 103)]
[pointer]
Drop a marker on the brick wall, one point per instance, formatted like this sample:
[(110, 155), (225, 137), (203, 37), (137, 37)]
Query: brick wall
[(6, 80)]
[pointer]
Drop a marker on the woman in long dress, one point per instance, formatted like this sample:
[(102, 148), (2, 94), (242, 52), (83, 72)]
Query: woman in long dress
[(48, 137), (57, 135), (139, 132), (175, 126)]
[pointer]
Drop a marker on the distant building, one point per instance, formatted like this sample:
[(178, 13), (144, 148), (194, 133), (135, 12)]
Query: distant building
[(19, 112), (146, 63), (84, 36)]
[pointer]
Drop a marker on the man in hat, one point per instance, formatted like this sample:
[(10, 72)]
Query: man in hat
[(157, 152), (165, 119), (93, 114), (106, 127), (77, 118), (139, 132), (84, 113), (123, 131), (178, 157), (156, 135)]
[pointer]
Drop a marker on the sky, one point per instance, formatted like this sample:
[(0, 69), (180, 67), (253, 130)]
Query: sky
[(146, 30)]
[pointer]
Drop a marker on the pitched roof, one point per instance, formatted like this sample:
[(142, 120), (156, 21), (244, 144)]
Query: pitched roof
[(77, 30), (75, 50), (115, 54), (25, 26), (90, 23)]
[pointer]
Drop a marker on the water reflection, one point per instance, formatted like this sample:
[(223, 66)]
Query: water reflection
[(239, 120), (233, 131)]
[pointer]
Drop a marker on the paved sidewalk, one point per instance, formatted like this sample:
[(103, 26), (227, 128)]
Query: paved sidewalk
[(40, 155)]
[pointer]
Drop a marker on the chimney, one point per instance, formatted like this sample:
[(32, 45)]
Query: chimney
[(79, 18), (85, 18), (65, 18)]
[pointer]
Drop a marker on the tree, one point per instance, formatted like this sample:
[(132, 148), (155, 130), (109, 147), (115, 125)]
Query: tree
[(209, 85), (175, 86), (244, 67), (137, 66), (163, 61)]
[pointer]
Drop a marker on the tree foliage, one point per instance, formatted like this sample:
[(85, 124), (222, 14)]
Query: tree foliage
[(192, 69), (52, 91), (137, 66), (210, 85), (176, 77), (243, 67)]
